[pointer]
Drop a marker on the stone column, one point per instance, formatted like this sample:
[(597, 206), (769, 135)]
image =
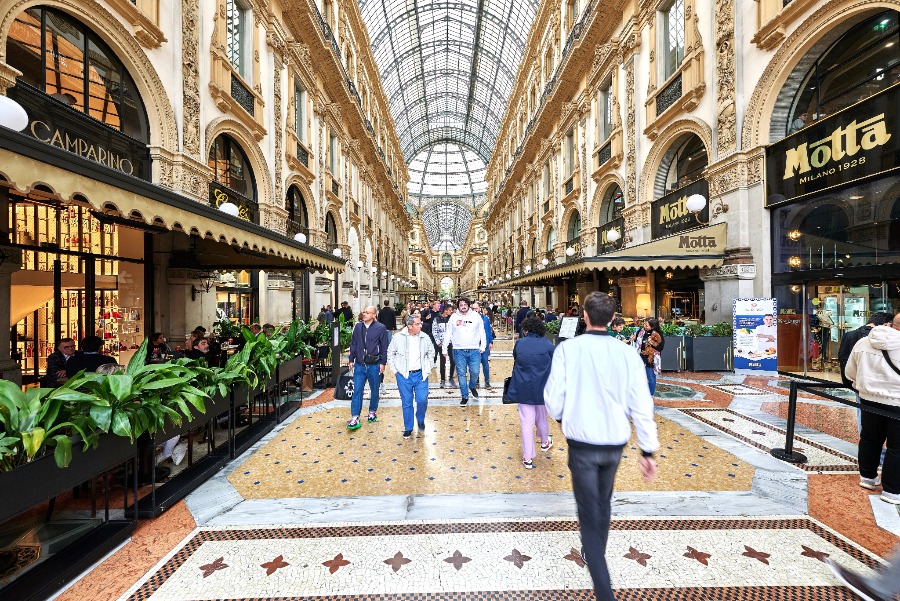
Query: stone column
[(724, 284)]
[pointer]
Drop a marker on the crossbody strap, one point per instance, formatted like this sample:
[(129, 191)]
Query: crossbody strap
[(887, 358)]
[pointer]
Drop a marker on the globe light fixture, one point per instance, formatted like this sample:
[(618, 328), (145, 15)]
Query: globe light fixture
[(336, 252), (570, 252), (528, 269), (695, 203), (359, 264), (544, 261), (795, 262), (300, 237), (515, 272), (507, 275), (384, 274), (229, 208), (612, 236), (12, 115)]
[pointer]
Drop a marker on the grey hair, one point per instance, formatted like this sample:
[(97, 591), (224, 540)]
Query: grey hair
[(410, 319), (109, 369)]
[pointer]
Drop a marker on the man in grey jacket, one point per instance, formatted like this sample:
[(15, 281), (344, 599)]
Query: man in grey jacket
[(411, 356)]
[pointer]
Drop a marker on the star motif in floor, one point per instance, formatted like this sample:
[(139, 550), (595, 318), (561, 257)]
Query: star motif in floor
[(758, 555), (275, 564), (576, 557), (807, 552), (457, 560), (639, 557), (397, 561), (335, 564), (209, 568), (517, 558), (698, 555)]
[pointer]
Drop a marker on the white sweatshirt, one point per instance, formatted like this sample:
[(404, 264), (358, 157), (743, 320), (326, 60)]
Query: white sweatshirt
[(596, 385), (465, 332)]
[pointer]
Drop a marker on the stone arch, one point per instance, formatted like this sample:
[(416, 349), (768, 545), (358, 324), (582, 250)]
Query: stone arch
[(610, 179), (312, 212), (689, 125), (160, 114), (235, 129), (341, 234), (758, 123), (563, 232)]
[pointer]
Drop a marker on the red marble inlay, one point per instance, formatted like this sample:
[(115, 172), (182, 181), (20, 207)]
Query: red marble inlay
[(275, 564), (759, 555), (517, 558), (698, 555), (807, 552), (397, 561), (457, 560), (576, 557), (209, 568), (336, 564), (637, 556)]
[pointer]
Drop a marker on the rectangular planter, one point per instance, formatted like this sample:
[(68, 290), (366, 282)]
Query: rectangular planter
[(214, 406), (709, 353), (290, 368), (673, 354), (33, 483)]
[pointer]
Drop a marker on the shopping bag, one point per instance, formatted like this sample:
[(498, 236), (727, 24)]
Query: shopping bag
[(343, 391)]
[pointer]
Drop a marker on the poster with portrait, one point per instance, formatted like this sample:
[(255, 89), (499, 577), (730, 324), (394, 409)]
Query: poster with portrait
[(755, 334)]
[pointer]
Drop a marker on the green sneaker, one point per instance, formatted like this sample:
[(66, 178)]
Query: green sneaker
[(372, 417), (354, 424)]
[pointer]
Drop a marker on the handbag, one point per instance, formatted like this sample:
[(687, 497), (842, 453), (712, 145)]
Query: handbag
[(506, 398)]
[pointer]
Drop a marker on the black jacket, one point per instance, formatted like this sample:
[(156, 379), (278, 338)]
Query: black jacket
[(848, 341), (520, 316), (348, 315), (388, 317), (86, 362)]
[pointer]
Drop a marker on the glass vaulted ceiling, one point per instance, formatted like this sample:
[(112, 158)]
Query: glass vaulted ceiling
[(448, 68)]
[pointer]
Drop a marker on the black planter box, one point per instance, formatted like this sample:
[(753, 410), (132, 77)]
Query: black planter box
[(290, 368), (214, 406), (33, 483), (709, 353), (673, 354)]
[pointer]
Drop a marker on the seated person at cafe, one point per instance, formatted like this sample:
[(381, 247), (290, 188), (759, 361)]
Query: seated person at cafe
[(158, 351), (199, 349), (90, 358), (56, 363)]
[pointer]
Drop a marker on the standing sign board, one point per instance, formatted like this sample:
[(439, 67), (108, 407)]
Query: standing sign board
[(568, 327), (755, 334)]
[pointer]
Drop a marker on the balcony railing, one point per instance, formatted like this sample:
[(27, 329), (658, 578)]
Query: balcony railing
[(575, 244), (294, 228), (302, 155), (569, 185), (242, 95), (335, 187), (604, 154), (668, 96)]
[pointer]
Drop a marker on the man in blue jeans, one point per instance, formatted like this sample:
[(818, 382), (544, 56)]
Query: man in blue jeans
[(411, 356), (489, 340), (368, 356), (465, 331)]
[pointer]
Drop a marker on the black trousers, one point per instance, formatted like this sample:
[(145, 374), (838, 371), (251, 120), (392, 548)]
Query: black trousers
[(593, 475), (876, 430), (445, 361)]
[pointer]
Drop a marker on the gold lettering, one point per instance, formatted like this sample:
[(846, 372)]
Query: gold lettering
[(874, 134), (841, 143), (797, 161), (44, 126)]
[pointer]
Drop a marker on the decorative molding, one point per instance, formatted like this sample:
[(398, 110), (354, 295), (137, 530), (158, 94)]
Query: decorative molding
[(190, 76), (8, 75), (279, 131), (146, 30), (734, 271), (630, 137), (773, 19), (726, 116)]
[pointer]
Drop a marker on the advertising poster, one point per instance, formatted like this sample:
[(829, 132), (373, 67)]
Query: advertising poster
[(755, 334)]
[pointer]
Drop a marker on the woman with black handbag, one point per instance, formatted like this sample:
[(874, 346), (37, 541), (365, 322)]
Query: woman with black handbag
[(533, 355)]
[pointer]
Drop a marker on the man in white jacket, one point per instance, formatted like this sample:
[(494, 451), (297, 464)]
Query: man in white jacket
[(465, 331), (596, 385), (874, 369), (411, 356)]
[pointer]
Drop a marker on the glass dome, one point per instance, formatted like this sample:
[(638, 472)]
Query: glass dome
[(446, 170)]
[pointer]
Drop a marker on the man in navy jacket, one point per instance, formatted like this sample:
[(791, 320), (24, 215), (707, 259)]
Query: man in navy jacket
[(368, 356)]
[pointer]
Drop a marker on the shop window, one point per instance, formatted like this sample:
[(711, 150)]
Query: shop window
[(231, 167), (330, 230), (861, 63), (672, 39), (239, 37), (296, 206), (63, 58), (613, 204)]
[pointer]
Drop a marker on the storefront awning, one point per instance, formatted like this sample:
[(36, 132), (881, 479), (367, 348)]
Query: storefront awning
[(26, 162), (699, 248)]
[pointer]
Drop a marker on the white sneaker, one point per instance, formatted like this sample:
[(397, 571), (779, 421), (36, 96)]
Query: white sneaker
[(179, 452), (890, 497), (870, 483)]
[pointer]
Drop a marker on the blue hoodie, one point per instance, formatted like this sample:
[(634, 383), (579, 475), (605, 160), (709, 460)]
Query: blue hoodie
[(488, 330)]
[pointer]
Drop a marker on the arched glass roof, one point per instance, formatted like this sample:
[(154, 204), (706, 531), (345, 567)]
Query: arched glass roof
[(446, 223), (446, 169), (448, 66)]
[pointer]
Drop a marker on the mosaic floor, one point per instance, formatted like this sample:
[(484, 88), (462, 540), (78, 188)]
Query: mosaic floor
[(317, 511)]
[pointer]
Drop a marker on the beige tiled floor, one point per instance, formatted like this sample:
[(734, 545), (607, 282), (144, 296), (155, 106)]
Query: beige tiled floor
[(463, 450)]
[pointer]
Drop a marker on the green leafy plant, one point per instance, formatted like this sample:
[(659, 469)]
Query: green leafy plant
[(261, 359), (553, 326), (629, 331), (228, 329), (696, 330), (670, 329), (723, 328), (346, 333), (398, 307), (44, 418)]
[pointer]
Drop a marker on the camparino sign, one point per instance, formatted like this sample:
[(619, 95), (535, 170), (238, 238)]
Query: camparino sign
[(854, 144)]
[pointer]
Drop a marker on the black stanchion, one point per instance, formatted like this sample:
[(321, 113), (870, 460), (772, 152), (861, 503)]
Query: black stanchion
[(787, 453), (335, 352)]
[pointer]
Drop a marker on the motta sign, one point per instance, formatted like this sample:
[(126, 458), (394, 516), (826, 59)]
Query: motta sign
[(54, 123), (616, 225), (858, 142), (697, 243), (670, 215)]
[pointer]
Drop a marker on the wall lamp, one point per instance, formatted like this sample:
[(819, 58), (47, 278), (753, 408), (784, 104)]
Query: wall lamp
[(697, 202), (207, 281)]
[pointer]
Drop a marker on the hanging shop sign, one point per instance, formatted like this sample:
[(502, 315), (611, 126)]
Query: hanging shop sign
[(54, 123), (858, 142), (755, 333), (670, 215), (603, 242)]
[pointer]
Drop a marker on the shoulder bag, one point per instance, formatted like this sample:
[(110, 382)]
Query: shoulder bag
[(506, 398)]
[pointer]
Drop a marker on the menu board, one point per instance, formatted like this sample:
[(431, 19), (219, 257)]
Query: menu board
[(569, 327)]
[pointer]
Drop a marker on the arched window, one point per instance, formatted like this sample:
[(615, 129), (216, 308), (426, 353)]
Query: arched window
[(551, 239), (826, 222), (574, 225), (862, 62), (330, 230), (682, 164), (613, 204), (447, 262), (62, 57), (296, 207), (231, 168)]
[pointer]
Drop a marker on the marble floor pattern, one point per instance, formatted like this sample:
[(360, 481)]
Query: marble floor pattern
[(316, 511)]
